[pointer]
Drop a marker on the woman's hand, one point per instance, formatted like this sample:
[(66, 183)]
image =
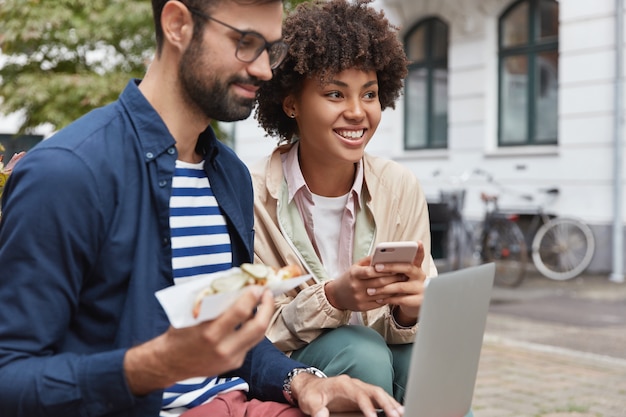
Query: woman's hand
[(406, 294), (364, 287)]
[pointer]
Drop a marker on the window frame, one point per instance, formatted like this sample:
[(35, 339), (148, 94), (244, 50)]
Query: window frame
[(533, 47), (430, 64)]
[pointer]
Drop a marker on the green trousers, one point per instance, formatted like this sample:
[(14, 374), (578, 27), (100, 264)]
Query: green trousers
[(361, 353)]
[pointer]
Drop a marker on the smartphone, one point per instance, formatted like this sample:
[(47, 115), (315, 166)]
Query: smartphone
[(394, 252)]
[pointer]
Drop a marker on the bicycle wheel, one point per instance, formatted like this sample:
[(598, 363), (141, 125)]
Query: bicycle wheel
[(563, 248), (504, 244)]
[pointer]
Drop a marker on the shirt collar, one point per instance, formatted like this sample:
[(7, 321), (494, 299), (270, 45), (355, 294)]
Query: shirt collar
[(292, 172), (153, 133), (296, 182)]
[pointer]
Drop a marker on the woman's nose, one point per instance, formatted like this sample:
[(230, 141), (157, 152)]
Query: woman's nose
[(354, 109)]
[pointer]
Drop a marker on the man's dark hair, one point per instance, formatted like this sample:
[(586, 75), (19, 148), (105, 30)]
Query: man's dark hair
[(205, 6), (325, 38)]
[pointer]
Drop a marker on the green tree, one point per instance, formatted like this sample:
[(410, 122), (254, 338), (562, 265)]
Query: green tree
[(63, 58)]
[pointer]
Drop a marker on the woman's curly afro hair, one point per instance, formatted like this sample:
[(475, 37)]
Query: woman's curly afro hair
[(326, 38)]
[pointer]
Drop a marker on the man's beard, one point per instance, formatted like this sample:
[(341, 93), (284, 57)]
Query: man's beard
[(208, 93)]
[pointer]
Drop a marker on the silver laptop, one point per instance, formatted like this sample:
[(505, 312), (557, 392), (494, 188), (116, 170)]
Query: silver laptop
[(446, 351)]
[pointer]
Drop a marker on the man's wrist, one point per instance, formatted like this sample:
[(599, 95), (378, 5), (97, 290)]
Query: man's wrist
[(144, 369), (288, 387)]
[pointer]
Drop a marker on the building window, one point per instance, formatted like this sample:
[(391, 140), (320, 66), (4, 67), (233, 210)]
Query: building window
[(426, 95), (529, 67)]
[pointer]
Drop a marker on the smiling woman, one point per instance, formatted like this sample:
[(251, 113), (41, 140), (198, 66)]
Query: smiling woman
[(323, 203)]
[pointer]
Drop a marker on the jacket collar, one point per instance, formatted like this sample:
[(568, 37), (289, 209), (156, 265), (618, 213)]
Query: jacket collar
[(152, 132)]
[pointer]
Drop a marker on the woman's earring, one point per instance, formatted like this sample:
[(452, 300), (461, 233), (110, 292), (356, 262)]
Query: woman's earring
[(292, 115)]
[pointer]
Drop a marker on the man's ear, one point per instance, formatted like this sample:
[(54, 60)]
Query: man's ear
[(289, 106), (177, 25)]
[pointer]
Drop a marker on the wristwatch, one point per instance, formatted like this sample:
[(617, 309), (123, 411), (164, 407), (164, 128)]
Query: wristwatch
[(291, 375)]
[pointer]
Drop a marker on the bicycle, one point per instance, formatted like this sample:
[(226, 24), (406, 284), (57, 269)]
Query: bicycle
[(502, 241), (498, 238), (561, 247), (458, 240)]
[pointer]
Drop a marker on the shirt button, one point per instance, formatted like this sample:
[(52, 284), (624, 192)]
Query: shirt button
[(149, 155), (171, 151), (162, 183), (166, 241)]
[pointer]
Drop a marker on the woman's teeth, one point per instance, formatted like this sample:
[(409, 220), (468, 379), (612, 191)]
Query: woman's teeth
[(351, 134)]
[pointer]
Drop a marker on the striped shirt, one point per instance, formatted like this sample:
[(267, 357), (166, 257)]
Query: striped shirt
[(200, 239), (200, 246)]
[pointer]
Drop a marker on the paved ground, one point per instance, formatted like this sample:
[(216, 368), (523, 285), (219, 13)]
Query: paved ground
[(554, 349)]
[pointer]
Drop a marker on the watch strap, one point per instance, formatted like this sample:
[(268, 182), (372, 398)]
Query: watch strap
[(287, 392)]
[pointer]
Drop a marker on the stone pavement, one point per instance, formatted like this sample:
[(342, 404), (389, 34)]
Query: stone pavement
[(554, 349)]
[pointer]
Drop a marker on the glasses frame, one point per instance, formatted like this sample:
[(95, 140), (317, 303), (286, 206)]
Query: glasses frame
[(267, 46)]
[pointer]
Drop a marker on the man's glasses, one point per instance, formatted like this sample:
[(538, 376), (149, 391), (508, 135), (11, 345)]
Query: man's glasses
[(251, 44)]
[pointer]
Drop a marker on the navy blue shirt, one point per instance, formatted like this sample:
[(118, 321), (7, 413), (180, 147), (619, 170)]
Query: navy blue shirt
[(84, 245)]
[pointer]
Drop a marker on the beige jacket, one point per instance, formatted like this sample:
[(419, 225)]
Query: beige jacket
[(397, 212)]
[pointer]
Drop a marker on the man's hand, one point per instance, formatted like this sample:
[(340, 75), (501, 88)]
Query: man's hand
[(209, 348), (319, 396)]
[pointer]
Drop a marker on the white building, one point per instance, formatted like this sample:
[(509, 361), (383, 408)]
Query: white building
[(523, 89)]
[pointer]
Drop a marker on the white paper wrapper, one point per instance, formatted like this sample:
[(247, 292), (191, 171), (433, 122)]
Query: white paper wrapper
[(178, 300)]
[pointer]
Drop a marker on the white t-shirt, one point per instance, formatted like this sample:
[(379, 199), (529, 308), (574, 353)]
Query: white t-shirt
[(327, 214)]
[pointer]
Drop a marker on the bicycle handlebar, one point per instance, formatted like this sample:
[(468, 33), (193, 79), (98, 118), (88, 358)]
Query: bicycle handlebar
[(465, 175)]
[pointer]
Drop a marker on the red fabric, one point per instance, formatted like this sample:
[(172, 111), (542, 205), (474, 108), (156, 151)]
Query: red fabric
[(235, 404)]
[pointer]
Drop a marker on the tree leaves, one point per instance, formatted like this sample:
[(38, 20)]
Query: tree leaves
[(62, 58)]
